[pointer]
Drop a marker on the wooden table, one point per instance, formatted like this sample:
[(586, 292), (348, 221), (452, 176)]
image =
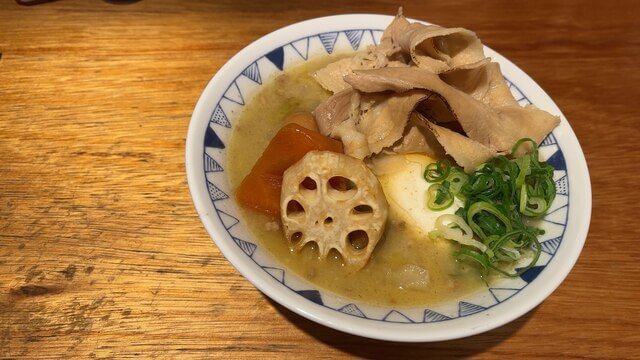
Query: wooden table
[(102, 253)]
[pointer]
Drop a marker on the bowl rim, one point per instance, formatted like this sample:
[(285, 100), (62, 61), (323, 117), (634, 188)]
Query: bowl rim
[(364, 327)]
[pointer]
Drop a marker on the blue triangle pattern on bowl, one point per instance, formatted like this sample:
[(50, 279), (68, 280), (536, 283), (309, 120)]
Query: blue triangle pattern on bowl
[(253, 72), (233, 94), (215, 193), (549, 140), (373, 36), (557, 161), (219, 117), (211, 165), (313, 295), (248, 247), (301, 47), (502, 294), (551, 246), (432, 316), (397, 316), (531, 274), (228, 221), (354, 36), (277, 57), (211, 139), (562, 186), (352, 309), (277, 273), (329, 40), (466, 309)]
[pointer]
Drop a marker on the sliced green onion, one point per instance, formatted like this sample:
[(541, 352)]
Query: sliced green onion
[(484, 221), (485, 261), (454, 228), (523, 164), (437, 171), (493, 227), (535, 206), (518, 143), (511, 253), (457, 179), (439, 196)]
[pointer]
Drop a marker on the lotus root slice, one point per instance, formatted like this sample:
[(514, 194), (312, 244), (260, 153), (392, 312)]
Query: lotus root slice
[(335, 201)]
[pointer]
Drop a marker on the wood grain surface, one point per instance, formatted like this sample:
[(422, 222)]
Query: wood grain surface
[(102, 254)]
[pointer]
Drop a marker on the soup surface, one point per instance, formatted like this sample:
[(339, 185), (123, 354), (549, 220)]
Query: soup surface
[(407, 268)]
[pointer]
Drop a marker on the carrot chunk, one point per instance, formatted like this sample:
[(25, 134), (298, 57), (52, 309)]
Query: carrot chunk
[(303, 118), (260, 190)]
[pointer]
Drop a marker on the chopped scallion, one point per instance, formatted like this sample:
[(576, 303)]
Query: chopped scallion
[(498, 199)]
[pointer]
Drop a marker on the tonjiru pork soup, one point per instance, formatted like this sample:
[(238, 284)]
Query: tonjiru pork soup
[(405, 174)]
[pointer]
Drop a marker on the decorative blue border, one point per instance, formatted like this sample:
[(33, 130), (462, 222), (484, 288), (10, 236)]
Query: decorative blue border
[(277, 57)]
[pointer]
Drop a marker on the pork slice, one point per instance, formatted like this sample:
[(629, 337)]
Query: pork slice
[(354, 142), (367, 123), (439, 49), (431, 47), (497, 128), (436, 109), (331, 76), (484, 83), (335, 110), (418, 138), (385, 121), (526, 122), (389, 42), (466, 152)]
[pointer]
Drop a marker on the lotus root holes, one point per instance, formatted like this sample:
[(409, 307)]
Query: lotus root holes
[(308, 187), (335, 255), (358, 239), (296, 237), (341, 188), (294, 208), (308, 184), (362, 209)]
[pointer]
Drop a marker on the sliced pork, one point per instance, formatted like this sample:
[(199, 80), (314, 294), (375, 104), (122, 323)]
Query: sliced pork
[(484, 83), (389, 42), (466, 152), (439, 74), (497, 128), (418, 138), (331, 76), (432, 47), (367, 123), (335, 110)]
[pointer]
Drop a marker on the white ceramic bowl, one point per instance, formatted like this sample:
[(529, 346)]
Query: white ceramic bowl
[(213, 121)]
